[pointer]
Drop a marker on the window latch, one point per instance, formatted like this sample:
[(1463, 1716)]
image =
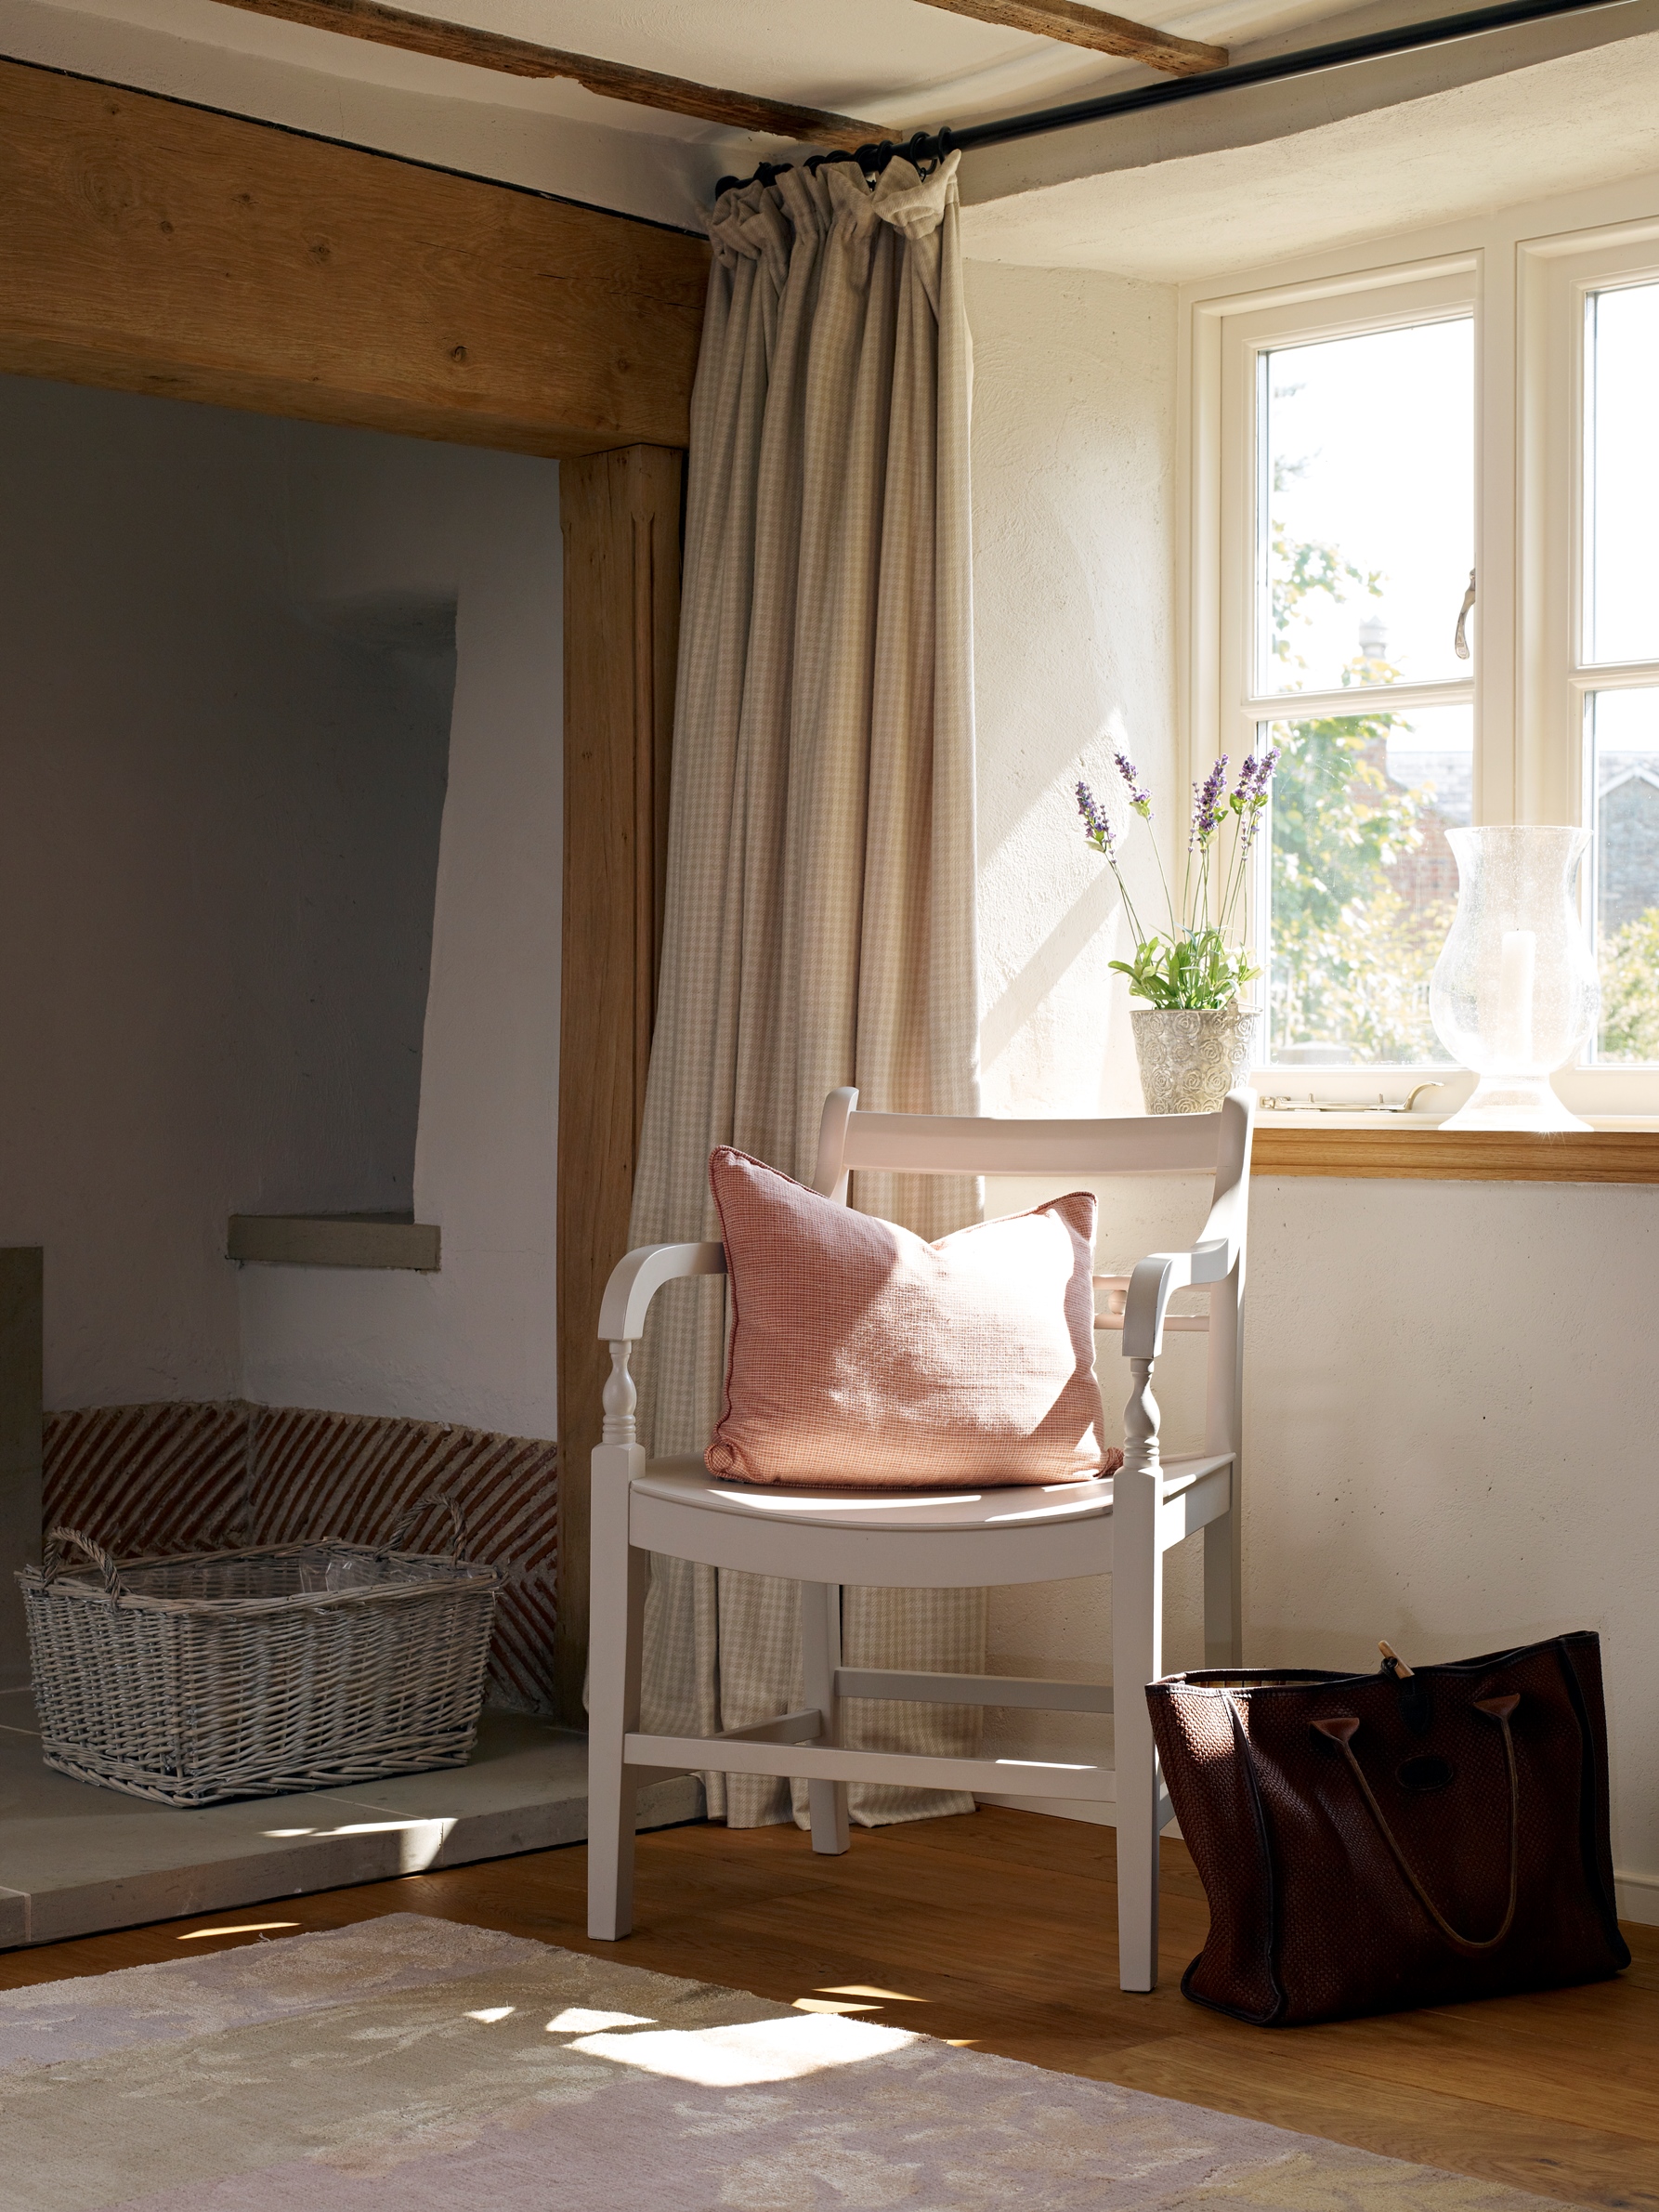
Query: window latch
[(1460, 635)]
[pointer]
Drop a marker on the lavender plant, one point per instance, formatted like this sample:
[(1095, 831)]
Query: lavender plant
[(1200, 959)]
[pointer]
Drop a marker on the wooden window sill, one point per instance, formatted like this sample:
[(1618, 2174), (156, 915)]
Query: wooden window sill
[(1626, 1151), (334, 1240)]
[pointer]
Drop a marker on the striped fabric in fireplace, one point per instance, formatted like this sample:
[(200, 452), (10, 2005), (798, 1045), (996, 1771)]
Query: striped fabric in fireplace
[(195, 1477)]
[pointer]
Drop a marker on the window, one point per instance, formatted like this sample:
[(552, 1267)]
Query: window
[(1364, 525), (1422, 560), (1618, 663)]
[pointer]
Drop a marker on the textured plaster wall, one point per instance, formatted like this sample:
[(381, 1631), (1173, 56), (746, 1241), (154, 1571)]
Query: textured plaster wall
[(1074, 462), (280, 875), (1447, 1436), (1450, 1443), (218, 848), (474, 1342), (1074, 469)]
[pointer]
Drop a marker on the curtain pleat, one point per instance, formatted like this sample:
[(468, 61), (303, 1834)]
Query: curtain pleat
[(819, 923)]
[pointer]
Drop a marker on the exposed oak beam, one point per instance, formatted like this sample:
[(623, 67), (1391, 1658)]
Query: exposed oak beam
[(161, 248), (1092, 27), (622, 523), (612, 80)]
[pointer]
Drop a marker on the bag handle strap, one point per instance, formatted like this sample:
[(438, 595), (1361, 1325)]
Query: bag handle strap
[(52, 1562), (1341, 1729)]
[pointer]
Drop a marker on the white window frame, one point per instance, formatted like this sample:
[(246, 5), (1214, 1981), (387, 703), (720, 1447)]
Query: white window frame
[(1557, 276), (1524, 273)]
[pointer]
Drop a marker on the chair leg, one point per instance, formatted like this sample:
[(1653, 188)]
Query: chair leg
[(1137, 1659), (618, 1578), (820, 1656), (1220, 1593)]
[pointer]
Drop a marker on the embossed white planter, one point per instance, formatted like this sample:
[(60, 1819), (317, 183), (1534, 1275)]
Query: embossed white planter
[(1191, 1057)]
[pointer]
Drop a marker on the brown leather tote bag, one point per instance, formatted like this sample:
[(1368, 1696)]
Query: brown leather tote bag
[(1372, 1841)]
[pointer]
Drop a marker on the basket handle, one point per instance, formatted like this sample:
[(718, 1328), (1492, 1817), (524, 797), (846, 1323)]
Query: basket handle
[(52, 1560), (412, 1518)]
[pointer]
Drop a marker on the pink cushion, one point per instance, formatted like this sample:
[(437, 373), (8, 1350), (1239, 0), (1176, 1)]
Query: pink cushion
[(863, 1358)]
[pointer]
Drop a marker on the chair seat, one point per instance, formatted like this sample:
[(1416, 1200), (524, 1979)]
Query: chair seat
[(686, 1482)]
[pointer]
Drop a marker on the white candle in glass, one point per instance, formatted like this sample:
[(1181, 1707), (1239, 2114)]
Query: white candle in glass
[(1517, 969)]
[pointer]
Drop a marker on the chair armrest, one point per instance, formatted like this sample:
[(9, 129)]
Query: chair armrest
[(1215, 1255), (1152, 1285), (639, 1274)]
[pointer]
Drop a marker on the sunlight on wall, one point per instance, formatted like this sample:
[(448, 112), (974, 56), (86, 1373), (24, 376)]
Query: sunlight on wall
[(1074, 472), (1074, 585)]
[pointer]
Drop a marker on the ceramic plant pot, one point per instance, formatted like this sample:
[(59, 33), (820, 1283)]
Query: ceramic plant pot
[(1191, 1057)]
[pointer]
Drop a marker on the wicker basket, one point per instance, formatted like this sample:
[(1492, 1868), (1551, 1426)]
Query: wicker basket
[(243, 1674)]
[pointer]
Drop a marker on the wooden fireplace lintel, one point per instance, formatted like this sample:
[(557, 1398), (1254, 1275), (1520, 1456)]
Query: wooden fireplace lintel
[(161, 248)]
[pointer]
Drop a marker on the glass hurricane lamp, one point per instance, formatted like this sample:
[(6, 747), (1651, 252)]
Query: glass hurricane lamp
[(1514, 993)]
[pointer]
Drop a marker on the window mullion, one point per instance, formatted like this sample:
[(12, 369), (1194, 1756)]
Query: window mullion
[(1305, 706)]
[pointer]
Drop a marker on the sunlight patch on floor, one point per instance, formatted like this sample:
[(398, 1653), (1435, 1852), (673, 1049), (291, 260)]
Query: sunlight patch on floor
[(760, 2050), (868, 1989), (247, 1927), (419, 1841)]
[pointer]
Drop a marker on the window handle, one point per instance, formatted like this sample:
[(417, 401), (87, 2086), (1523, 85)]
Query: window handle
[(1460, 635)]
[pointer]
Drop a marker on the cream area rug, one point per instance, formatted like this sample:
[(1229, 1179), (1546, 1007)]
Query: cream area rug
[(407, 2064)]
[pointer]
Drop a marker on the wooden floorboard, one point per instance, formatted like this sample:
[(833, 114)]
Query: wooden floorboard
[(997, 1929)]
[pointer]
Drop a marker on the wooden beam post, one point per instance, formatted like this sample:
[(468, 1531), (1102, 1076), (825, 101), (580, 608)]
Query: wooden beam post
[(20, 1422), (160, 248), (622, 523)]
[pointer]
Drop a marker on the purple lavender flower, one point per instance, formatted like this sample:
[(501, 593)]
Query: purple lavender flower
[(1208, 802), (1245, 793), (1096, 821), (1254, 778), (1139, 799), (1249, 799)]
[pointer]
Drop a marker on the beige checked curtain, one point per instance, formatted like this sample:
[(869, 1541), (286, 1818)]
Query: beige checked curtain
[(819, 926)]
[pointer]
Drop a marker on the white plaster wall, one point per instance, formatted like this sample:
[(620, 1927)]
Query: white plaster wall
[(1448, 1426), (217, 847), (1074, 459), (1449, 1440), (474, 1342)]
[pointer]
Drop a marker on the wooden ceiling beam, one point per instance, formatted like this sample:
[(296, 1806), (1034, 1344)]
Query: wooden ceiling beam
[(1092, 27), (155, 248), (612, 80)]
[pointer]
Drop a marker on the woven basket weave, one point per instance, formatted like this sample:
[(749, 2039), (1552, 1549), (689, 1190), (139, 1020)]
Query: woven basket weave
[(241, 1674)]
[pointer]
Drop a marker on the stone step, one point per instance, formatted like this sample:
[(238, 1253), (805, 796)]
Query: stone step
[(77, 1860)]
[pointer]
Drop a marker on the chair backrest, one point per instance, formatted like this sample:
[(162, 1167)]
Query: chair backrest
[(1146, 1145), (953, 1144)]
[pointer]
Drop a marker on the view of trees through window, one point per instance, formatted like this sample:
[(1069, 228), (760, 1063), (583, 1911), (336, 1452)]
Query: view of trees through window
[(1621, 626), (1364, 552), (1368, 494)]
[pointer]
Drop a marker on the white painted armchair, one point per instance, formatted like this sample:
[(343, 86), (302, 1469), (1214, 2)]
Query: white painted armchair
[(1119, 1525)]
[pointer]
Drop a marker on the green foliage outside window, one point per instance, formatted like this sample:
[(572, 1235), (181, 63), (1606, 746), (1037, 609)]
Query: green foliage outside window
[(1351, 956), (1631, 991)]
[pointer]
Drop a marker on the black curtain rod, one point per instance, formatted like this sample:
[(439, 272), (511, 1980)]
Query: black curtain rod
[(1404, 39), (926, 147)]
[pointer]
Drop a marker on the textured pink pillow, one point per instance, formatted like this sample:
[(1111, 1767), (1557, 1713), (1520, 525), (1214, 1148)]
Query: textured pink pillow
[(863, 1358)]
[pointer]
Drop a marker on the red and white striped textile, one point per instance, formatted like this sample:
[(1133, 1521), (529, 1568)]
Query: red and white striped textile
[(149, 1479)]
